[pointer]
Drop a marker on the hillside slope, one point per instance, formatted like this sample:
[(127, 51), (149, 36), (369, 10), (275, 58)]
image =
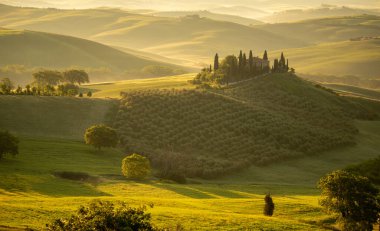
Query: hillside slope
[(327, 29), (359, 58), (36, 49), (210, 15), (325, 11), (214, 132)]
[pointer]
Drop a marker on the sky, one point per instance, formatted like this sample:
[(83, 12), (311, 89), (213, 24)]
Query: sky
[(267, 5)]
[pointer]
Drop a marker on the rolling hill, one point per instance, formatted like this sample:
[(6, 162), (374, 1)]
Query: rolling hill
[(32, 49), (190, 38), (325, 11), (359, 58), (261, 121), (327, 29), (210, 15)]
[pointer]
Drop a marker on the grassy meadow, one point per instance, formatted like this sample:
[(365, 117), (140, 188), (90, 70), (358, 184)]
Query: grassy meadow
[(32, 196)]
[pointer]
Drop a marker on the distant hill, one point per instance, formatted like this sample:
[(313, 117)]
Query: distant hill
[(210, 15), (324, 11), (188, 38), (32, 49), (243, 11), (214, 132), (359, 58), (327, 29)]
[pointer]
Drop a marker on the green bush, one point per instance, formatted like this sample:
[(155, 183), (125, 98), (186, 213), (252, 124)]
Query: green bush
[(102, 216), (101, 136), (136, 166), (8, 144)]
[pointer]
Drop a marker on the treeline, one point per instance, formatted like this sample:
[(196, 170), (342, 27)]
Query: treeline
[(49, 83), (233, 69)]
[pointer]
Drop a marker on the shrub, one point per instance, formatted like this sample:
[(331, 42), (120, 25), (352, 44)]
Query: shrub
[(102, 216), (101, 136), (269, 206), (8, 144), (135, 166)]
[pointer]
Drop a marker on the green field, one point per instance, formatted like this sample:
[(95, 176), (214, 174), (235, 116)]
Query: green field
[(113, 89), (32, 196)]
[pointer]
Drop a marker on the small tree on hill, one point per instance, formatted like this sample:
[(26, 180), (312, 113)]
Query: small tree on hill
[(352, 198), (269, 206), (101, 136), (76, 76), (6, 86), (100, 215), (135, 166), (89, 94), (8, 144)]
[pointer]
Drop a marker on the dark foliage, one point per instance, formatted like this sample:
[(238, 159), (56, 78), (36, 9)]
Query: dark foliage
[(8, 144), (269, 206), (105, 216), (352, 197)]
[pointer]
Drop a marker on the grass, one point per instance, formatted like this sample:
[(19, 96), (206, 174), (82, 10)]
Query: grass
[(32, 196), (113, 89), (355, 91)]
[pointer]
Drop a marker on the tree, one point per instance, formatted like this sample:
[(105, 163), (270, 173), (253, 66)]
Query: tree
[(104, 215), (101, 136), (229, 67), (269, 206), (265, 56), (216, 62), (76, 76), (8, 144), (352, 197), (6, 86), (136, 166), (47, 77), (250, 61), (89, 94)]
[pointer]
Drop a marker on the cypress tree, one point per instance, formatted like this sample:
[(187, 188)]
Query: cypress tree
[(287, 64), (265, 57), (275, 65), (250, 61), (240, 59), (282, 61), (216, 62), (269, 206)]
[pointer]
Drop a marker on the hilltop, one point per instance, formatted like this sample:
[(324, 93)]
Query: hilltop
[(31, 49)]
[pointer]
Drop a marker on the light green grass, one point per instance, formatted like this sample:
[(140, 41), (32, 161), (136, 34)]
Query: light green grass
[(113, 89), (32, 196)]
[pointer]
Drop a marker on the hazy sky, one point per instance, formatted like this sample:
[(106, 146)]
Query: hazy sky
[(269, 5)]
